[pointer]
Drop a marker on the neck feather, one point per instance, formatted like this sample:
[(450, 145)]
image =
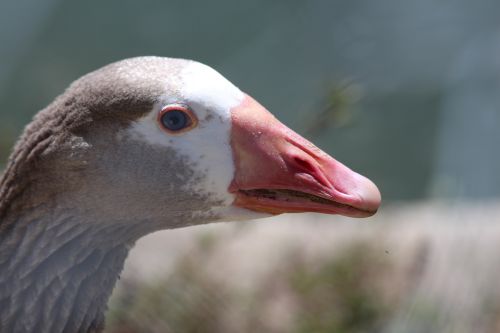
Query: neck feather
[(51, 264)]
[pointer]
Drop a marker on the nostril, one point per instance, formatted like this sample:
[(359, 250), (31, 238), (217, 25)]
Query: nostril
[(310, 167), (303, 164)]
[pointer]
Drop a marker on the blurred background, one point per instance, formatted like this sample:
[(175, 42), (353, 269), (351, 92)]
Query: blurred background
[(404, 92)]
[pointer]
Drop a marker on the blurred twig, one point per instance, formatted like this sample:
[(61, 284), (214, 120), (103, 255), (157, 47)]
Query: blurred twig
[(335, 110)]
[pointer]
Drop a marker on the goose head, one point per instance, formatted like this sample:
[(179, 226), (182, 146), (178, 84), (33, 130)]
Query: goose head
[(171, 142)]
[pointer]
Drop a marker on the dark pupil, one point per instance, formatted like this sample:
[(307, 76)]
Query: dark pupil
[(174, 120)]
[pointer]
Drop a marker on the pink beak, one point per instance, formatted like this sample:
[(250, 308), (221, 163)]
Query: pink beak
[(278, 171)]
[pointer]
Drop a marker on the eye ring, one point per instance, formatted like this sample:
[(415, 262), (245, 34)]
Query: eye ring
[(176, 119)]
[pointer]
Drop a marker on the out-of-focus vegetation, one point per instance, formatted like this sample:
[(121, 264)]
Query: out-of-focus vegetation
[(188, 300), (410, 270), (351, 291)]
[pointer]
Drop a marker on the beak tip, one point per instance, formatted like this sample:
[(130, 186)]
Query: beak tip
[(370, 197)]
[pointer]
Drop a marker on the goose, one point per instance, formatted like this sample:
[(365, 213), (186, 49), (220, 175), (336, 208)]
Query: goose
[(141, 145)]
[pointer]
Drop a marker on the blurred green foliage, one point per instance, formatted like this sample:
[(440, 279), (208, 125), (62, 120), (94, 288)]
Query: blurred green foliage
[(344, 293), (188, 300), (341, 294), (412, 281)]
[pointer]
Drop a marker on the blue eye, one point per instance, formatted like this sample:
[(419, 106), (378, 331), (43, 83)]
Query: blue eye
[(175, 120)]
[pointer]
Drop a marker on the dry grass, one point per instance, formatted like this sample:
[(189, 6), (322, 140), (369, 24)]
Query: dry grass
[(429, 267)]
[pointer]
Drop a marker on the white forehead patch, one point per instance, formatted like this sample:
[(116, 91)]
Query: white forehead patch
[(207, 146), (205, 86)]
